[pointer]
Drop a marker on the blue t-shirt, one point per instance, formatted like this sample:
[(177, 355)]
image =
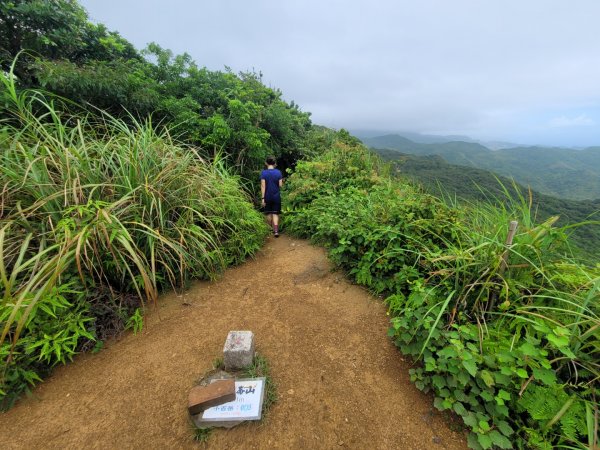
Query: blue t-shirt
[(271, 177)]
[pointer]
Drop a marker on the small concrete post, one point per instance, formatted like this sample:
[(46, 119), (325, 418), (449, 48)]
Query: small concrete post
[(238, 351)]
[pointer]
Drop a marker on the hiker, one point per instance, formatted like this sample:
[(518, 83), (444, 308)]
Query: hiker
[(270, 182)]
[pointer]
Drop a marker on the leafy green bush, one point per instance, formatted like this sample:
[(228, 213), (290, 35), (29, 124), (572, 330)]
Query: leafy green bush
[(52, 45), (508, 336), (96, 219), (236, 116)]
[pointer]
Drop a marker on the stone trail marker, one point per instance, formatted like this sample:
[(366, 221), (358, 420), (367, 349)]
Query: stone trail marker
[(247, 405), (225, 402), (238, 351)]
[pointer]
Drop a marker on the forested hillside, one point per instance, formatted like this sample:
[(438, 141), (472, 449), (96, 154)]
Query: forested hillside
[(559, 172), (476, 185), (129, 173), (498, 328)]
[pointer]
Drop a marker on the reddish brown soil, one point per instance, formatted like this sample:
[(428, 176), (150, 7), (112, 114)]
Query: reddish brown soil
[(341, 382)]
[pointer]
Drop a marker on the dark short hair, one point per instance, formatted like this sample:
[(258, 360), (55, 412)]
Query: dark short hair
[(271, 161)]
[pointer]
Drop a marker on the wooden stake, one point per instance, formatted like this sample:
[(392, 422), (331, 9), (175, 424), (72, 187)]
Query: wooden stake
[(512, 230)]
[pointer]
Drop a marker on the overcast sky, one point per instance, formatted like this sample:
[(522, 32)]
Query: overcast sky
[(526, 71)]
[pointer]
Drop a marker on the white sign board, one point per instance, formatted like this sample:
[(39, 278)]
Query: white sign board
[(249, 394)]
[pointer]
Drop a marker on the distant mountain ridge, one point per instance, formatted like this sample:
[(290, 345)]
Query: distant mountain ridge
[(473, 184), (559, 172), (439, 139)]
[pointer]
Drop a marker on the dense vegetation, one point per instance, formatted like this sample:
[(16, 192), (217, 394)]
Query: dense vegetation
[(217, 112), (559, 172), (508, 336), (127, 189), (117, 180), (478, 185), (95, 222)]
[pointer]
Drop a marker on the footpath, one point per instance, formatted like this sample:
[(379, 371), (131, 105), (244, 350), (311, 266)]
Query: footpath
[(341, 382)]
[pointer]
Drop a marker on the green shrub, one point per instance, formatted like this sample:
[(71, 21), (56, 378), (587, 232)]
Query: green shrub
[(97, 218), (508, 337)]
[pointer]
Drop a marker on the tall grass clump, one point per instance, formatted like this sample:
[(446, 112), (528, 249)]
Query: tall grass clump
[(506, 336), (96, 218)]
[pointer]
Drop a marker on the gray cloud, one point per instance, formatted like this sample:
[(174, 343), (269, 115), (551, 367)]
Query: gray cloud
[(496, 69), (580, 121)]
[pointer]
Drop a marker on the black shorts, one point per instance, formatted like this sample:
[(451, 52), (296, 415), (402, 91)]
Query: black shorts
[(272, 207)]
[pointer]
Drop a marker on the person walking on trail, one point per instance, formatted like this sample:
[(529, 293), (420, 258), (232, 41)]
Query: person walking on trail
[(270, 182)]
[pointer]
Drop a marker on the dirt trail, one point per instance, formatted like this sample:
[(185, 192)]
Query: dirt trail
[(341, 382)]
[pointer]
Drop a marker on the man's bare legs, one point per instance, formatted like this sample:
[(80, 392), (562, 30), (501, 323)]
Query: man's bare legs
[(276, 225), (273, 221)]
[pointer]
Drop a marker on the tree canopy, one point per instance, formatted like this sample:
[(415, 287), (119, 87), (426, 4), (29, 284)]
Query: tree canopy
[(234, 115)]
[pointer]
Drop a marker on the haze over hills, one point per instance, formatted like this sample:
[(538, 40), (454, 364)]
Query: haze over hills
[(556, 171), (473, 184), (420, 138)]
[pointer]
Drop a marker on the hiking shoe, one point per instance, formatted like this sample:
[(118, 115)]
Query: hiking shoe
[(276, 234)]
